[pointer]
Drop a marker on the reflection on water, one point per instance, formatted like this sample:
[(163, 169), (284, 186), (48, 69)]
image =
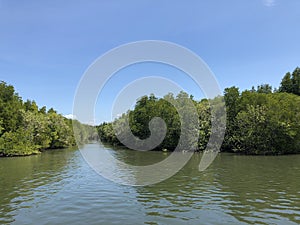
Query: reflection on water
[(234, 190), (58, 187), (27, 179)]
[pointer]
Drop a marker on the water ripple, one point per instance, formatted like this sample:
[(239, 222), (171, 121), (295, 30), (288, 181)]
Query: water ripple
[(59, 188)]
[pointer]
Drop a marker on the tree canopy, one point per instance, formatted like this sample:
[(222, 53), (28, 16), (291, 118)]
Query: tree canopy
[(26, 129), (291, 82), (259, 121)]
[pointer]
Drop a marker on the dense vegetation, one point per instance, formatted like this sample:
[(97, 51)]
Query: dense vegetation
[(259, 121), (26, 129)]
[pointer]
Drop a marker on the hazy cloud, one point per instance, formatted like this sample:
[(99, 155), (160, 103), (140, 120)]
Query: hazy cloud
[(70, 116), (269, 3)]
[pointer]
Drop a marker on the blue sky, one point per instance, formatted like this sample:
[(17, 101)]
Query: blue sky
[(45, 46)]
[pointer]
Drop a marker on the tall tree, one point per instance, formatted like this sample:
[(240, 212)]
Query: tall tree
[(291, 82), (296, 81), (286, 84)]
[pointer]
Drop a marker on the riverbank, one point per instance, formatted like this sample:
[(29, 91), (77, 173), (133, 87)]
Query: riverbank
[(122, 147)]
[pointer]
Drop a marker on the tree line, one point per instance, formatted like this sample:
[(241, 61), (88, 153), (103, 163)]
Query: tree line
[(26, 129), (258, 121)]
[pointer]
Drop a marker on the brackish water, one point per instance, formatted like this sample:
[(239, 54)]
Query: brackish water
[(58, 187)]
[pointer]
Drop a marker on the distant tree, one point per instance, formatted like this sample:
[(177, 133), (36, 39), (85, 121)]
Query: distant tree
[(253, 89), (286, 83), (43, 110), (291, 82), (31, 106), (51, 110), (296, 81), (264, 88)]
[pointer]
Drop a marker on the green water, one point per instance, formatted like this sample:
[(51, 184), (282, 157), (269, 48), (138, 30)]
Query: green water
[(58, 187)]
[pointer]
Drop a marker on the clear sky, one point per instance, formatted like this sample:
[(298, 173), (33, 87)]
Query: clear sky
[(45, 46)]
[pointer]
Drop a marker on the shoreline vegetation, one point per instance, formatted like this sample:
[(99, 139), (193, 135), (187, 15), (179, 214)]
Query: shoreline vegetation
[(26, 129), (260, 121)]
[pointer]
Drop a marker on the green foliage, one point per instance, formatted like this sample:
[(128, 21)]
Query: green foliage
[(269, 128), (259, 121), (253, 127), (59, 131), (82, 132), (296, 81), (25, 129), (175, 112), (107, 134), (38, 125), (10, 105), (232, 101), (17, 143), (1, 128), (203, 110), (31, 106), (264, 88), (43, 110), (291, 82)]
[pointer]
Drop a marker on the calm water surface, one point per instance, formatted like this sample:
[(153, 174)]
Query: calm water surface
[(58, 187)]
